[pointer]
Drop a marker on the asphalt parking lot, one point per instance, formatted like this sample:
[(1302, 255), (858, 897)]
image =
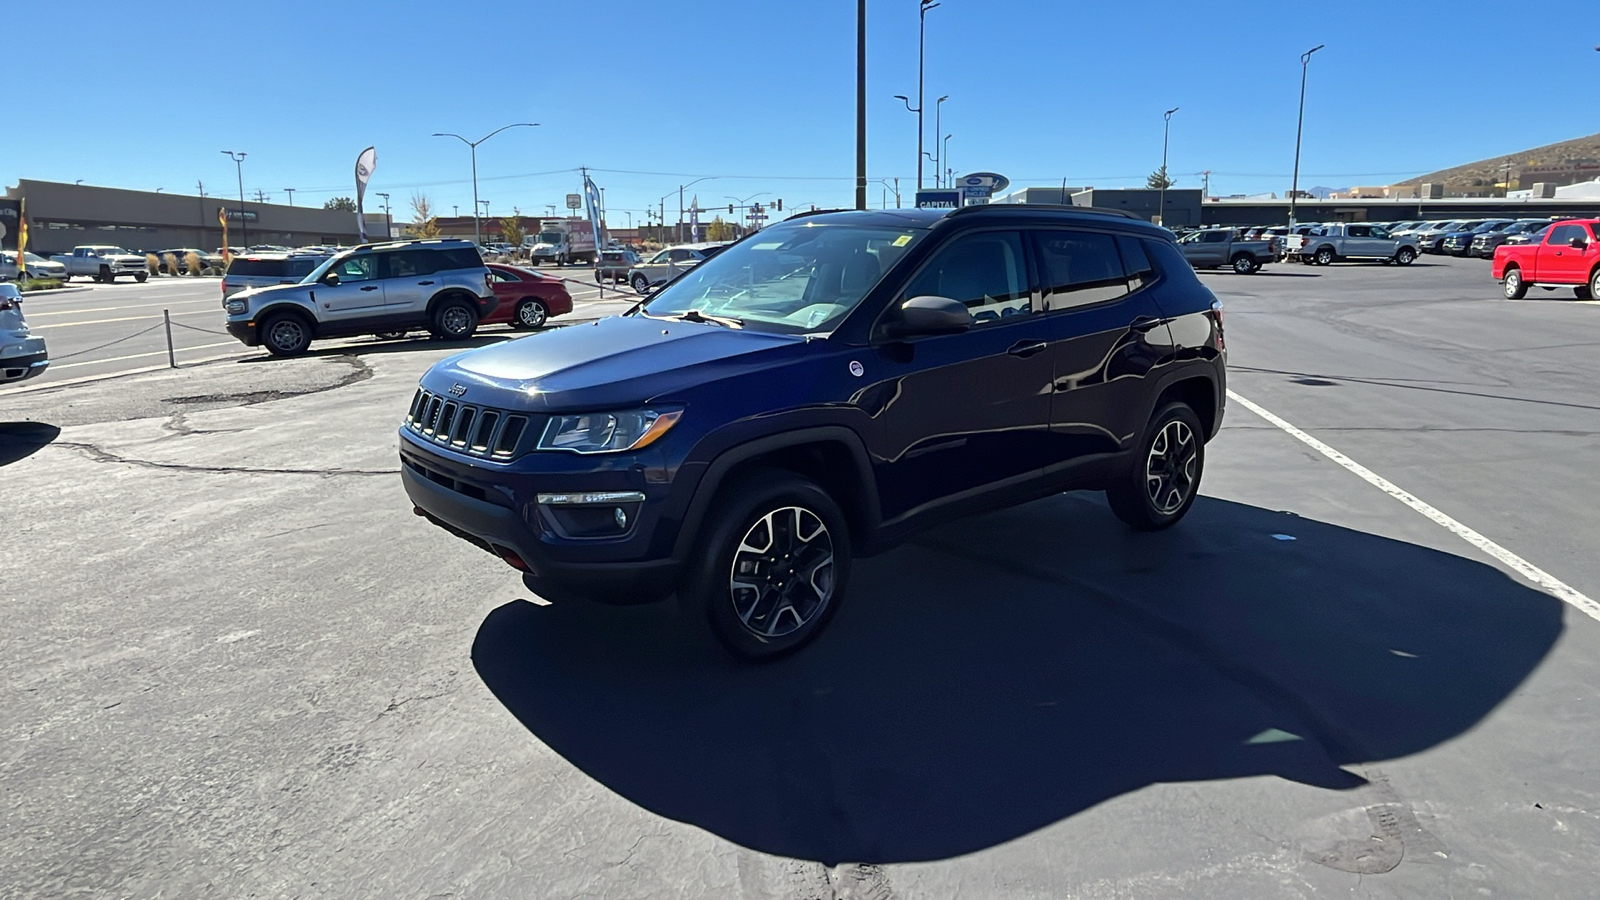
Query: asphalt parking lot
[(237, 665)]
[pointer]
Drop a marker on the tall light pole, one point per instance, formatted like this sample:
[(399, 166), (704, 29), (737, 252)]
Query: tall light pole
[(938, 129), (861, 104), (238, 165), (680, 201), (388, 217), (1299, 128), (944, 154), (291, 196), (1161, 217), (922, 46), (477, 230)]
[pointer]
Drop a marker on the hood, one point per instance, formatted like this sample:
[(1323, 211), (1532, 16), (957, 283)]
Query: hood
[(612, 363)]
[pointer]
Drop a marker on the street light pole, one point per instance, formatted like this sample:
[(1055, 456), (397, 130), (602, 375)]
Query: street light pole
[(680, 201), (861, 104), (944, 154), (1299, 127), (1161, 211), (477, 229), (388, 217), (238, 165), (922, 47), (938, 129)]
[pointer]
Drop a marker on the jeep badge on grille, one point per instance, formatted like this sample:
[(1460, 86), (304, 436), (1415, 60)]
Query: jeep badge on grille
[(458, 389)]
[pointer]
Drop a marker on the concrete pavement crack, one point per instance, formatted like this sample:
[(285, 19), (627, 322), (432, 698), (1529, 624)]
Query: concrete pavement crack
[(100, 455)]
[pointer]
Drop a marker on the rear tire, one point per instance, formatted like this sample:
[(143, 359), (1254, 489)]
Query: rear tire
[(390, 335), (774, 562), (1324, 256), (454, 320), (1594, 283), (285, 334), (1163, 479), (530, 314), (1513, 285), (1245, 264), (1583, 292)]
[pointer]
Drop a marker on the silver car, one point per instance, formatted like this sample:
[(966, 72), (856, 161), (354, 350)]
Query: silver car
[(22, 353), (36, 266), (669, 264), (383, 289)]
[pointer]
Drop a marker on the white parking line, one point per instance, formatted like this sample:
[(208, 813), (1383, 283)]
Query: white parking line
[(146, 316), (1544, 580), (121, 308)]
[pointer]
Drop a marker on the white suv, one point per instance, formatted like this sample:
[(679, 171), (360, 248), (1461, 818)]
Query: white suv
[(22, 353), (380, 289), (670, 263)]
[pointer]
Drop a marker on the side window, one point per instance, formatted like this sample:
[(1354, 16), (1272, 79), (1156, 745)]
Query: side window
[(456, 258), (503, 276), (1560, 235), (1216, 237), (1078, 268), (659, 258), (358, 268), (1358, 231), (681, 255), (1135, 262), (1378, 231), (408, 264), (988, 272)]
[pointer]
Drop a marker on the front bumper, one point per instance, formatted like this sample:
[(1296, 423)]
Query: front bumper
[(245, 332), (498, 508)]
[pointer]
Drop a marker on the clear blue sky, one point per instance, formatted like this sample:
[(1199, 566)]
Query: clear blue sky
[(761, 93)]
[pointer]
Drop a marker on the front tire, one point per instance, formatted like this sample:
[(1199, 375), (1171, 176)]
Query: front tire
[(285, 334), (1405, 256), (531, 314), (454, 320), (141, 277), (640, 284), (775, 561), (1513, 285), (1164, 478)]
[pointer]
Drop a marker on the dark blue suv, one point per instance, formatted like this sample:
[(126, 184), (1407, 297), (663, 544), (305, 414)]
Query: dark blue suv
[(816, 393)]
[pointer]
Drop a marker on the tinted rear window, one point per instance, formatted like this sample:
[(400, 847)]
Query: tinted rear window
[(458, 258), (261, 268)]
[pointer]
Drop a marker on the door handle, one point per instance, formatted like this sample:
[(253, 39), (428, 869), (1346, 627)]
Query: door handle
[(1143, 324), (424, 282), (370, 288), (1027, 348)]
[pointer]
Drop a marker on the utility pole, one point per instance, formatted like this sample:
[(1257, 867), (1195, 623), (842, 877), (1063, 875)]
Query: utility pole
[(922, 47), (1205, 185), (861, 104), (291, 196), (260, 197), (1294, 186), (388, 219)]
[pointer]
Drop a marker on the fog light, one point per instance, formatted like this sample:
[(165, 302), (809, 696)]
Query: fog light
[(621, 517)]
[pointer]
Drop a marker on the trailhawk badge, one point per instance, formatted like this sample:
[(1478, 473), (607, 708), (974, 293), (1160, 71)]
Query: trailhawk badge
[(857, 369)]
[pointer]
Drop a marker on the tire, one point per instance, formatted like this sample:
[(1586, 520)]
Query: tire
[(641, 284), (1164, 478), (141, 277), (794, 523), (390, 335), (285, 334), (1405, 256), (454, 320), (1582, 292), (530, 314), (1513, 285), (1324, 256), (1245, 264), (1594, 283)]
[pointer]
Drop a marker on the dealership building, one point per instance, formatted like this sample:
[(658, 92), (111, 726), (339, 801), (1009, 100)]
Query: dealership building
[(63, 216)]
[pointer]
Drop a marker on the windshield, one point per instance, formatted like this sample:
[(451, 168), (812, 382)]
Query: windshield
[(549, 237), (798, 279)]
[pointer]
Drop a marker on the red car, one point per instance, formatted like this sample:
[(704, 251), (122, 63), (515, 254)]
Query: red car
[(527, 298), (1568, 256)]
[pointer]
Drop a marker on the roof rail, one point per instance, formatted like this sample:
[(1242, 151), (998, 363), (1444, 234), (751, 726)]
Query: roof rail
[(1047, 207)]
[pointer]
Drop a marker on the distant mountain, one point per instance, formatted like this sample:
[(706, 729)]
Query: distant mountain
[(1480, 176)]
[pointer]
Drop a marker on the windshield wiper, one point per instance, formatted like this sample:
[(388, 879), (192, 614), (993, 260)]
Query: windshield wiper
[(695, 315)]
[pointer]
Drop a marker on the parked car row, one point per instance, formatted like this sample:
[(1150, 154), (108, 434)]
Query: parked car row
[(284, 301)]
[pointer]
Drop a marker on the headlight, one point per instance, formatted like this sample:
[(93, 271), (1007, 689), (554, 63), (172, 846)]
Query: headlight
[(236, 307), (608, 432)]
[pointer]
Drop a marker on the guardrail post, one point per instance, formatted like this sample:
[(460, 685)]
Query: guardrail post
[(172, 359)]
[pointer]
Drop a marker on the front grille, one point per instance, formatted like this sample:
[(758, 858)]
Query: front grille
[(481, 431)]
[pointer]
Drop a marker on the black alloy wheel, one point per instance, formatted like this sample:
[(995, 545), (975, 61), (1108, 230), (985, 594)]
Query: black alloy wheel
[(1245, 264), (285, 334), (455, 320), (774, 564), (1164, 479)]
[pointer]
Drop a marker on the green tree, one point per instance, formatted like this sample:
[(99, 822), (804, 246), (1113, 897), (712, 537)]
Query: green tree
[(719, 230), (1158, 180), (344, 203)]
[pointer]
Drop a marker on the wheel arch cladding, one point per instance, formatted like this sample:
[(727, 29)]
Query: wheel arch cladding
[(445, 296), (1199, 394)]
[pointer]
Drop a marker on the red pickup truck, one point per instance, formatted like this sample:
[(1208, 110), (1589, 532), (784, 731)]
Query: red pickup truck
[(1569, 256)]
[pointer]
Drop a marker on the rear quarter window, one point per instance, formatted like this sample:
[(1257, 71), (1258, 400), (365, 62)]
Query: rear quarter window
[(458, 258), (245, 267), (1169, 261)]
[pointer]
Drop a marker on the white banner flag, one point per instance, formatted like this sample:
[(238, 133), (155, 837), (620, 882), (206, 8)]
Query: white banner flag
[(365, 163)]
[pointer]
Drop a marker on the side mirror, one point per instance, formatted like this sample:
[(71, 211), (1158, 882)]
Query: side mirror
[(331, 279), (1578, 243), (930, 315)]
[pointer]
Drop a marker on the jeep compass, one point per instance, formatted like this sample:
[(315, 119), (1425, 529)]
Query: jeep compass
[(816, 393)]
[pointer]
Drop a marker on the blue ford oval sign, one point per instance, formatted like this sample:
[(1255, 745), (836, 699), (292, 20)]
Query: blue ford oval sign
[(984, 181)]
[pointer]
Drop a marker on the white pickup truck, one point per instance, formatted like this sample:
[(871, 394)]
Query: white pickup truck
[(103, 263)]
